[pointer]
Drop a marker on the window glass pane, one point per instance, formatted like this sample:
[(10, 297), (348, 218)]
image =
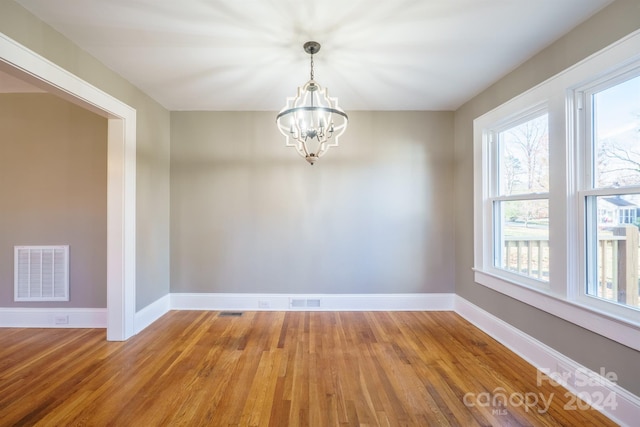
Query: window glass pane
[(616, 249), (523, 242), (524, 158), (616, 135)]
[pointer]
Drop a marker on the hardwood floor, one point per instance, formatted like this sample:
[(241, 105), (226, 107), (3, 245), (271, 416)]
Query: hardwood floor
[(276, 369)]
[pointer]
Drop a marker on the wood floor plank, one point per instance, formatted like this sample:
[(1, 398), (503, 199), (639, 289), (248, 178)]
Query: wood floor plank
[(197, 368)]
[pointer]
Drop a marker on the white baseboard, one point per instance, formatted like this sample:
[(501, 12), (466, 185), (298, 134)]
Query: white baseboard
[(151, 313), (598, 389), (316, 302), (18, 317)]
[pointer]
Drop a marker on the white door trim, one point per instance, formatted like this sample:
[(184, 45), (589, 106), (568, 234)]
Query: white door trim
[(22, 62)]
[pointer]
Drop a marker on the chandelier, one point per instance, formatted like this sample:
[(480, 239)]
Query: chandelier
[(312, 122)]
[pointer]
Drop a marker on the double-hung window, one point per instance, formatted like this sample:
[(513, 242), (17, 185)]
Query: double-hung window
[(609, 148), (557, 194), (519, 196)]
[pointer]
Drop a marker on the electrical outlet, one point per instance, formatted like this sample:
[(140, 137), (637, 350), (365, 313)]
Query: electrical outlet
[(263, 304), (61, 319)]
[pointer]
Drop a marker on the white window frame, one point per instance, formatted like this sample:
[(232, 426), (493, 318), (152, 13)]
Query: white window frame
[(565, 297), (584, 158), (493, 194)]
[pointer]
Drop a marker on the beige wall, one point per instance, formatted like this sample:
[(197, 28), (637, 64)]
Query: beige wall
[(53, 191), (372, 216), (587, 348), (152, 182)]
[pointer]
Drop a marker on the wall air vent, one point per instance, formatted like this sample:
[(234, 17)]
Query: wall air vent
[(41, 273)]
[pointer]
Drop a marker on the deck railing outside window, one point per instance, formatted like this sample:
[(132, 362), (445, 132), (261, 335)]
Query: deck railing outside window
[(618, 263)]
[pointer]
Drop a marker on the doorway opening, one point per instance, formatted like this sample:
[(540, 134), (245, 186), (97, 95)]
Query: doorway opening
[(21, 62)]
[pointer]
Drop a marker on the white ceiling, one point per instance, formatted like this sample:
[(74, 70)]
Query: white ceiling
[(376, 55)]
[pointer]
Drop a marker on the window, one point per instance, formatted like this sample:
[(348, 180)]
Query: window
[(557, 194), (610, 186), (520, 197)]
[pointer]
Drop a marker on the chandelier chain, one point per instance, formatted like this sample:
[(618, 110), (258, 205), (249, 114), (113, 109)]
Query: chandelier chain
[(312, 66)]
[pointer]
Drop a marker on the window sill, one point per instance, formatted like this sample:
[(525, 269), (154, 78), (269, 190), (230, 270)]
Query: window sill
[(621, 330)]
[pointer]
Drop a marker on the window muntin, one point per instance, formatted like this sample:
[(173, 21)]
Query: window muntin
[(612, 194), (520, 205)]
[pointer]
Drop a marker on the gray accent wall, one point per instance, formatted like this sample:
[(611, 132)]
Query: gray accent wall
[(53, 191), (250, 215), (152, 177), (591, 350)]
